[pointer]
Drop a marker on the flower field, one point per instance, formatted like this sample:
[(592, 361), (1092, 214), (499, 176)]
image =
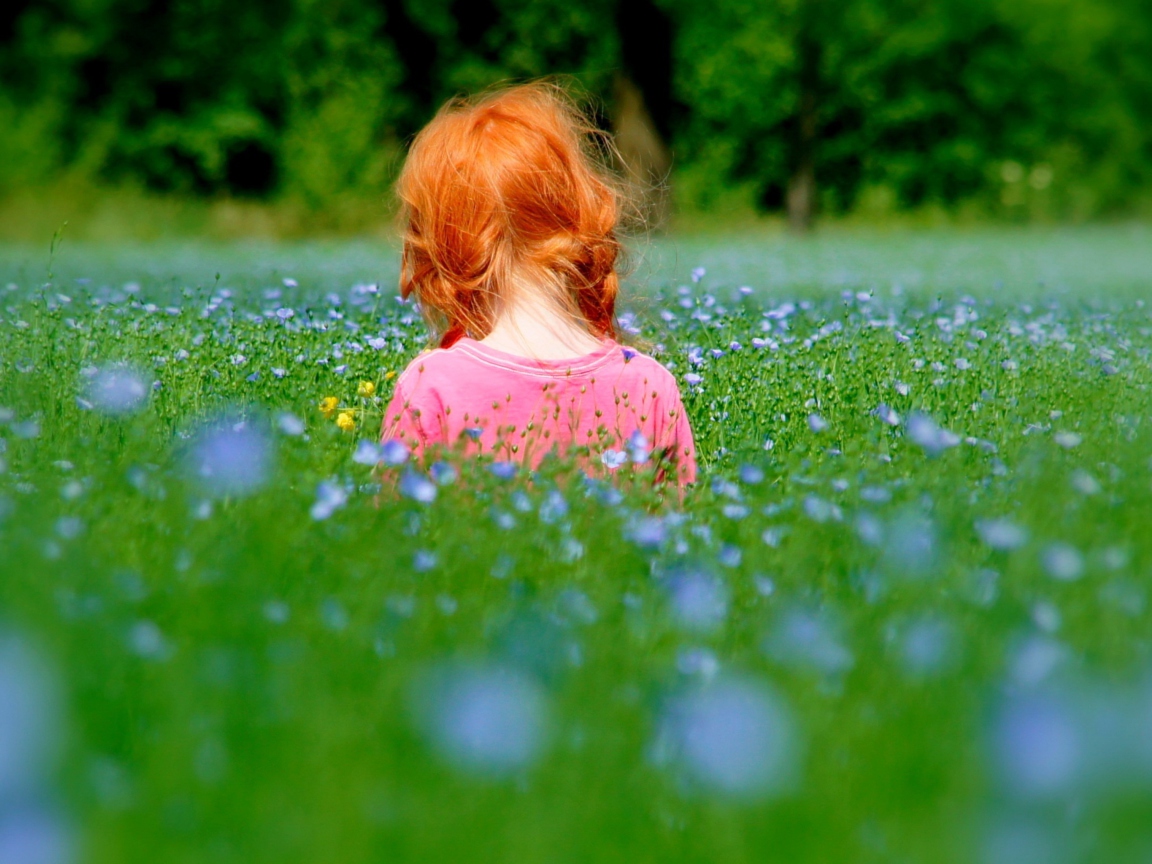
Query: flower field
[(903, 616)]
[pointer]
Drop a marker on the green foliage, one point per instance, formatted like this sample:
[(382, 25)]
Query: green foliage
[(241, 677), (1022, 108), (928, 100)]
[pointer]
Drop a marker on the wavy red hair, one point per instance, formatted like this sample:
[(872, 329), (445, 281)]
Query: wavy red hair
[(509, 191)]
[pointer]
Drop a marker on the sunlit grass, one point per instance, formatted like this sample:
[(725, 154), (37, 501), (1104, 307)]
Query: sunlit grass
[(903, 615)]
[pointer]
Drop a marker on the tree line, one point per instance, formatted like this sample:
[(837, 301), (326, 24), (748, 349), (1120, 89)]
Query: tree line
[(801, 106)]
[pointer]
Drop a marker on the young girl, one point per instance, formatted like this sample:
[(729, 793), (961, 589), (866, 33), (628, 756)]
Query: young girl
[(510, 248)]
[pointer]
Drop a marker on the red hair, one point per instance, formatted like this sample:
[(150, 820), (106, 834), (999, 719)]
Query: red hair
[(507, 191)]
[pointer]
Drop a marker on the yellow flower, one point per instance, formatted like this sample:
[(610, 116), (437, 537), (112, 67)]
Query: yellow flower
[(346, 421), (366, 388), (389, 375), (328, 406)]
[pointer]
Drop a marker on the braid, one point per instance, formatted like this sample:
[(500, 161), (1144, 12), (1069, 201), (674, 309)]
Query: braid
[(504, 190)]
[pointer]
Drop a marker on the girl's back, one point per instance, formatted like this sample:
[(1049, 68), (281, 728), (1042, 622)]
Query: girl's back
[(511, 248), (610, 405)]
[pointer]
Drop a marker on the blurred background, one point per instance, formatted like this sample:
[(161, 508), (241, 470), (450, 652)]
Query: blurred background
[(132, 119)]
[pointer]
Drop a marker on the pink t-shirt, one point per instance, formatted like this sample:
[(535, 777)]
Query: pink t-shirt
[(621, 405)]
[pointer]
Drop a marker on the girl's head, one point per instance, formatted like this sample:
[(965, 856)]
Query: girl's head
[(507, 194)]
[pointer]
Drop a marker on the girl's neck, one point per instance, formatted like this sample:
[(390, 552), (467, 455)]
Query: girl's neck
[(534, 327)]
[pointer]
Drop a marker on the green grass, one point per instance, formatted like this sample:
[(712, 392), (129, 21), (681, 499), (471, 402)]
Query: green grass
[(870, 642)]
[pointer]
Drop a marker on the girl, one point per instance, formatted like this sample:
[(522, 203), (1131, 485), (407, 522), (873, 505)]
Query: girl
[(510, 248)]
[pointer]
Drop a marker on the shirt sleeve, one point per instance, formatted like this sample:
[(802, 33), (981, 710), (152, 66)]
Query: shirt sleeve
[(404, 420), (683, 447), (674, 440)]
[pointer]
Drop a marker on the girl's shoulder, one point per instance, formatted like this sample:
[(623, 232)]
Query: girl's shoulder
[(431, 359), (435, 366), (647, 366), (416, 368)]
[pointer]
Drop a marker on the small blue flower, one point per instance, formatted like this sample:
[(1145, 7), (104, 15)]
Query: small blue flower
[(613, 459), (367, 452), (639, 450), (751, 474), (394, 452), (417, 487), (443, 473), (503, 470), (693, 379)]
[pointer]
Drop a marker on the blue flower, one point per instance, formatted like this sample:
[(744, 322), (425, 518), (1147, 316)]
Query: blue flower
[(613, 459), (367, 452), (417, 487), (394, 452), (503, 470), (639, 450), (443, 473)]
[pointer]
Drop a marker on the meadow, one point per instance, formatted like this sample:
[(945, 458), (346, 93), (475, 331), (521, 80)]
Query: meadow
[(902, 616)]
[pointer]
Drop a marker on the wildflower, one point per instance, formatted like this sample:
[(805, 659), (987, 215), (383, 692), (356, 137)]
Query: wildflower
[(117, 390), (346, 421), (390, 374), (929, 647), (486, 720), (290, 424), (1063, 562), (639, 449), (231, 458), (924, 431), (1001, 534), (887, 415), (394, 452), (367, 389), (731, 736), (812, 640), (329, 498), (613, 459), (648, 532), (503, 470), (698, 600), (328, 406), (751, 474), (417, 487), (367, 452)]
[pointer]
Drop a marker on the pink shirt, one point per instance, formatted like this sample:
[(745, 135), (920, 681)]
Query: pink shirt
[(619, 404)]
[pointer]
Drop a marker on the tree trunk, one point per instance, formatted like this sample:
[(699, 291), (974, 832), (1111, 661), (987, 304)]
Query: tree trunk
[(644, 153), (801, 196)]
